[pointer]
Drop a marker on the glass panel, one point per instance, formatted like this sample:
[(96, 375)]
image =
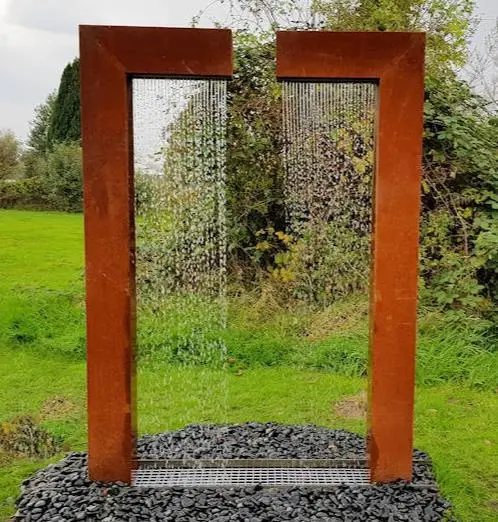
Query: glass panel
[(179, 142), (194, 370), (329, 163), (329, 149)]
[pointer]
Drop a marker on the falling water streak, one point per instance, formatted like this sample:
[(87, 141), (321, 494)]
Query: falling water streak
[(179, 140), (329, 147)]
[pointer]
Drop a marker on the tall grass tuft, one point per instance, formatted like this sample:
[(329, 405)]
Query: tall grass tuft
[(452, 346)]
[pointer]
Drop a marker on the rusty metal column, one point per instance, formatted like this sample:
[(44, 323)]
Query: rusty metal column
[(110, 57), (395, 61), (110, 271), (393, 292)]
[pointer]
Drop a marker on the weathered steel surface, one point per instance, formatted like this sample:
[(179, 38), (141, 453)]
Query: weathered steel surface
[(110, 56), (160, 51), (396, 62)]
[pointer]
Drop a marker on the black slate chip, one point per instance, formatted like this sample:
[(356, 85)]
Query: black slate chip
[(62, 492)]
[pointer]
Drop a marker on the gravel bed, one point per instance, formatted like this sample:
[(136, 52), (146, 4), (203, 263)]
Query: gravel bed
[(62, 493)]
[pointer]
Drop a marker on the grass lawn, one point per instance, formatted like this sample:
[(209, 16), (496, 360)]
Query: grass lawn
[(40, 249), (41, 267), (458, 427)]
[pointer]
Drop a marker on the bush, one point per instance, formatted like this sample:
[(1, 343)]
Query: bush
[(449, 274), (23, 193), (10, 152), (328, 263), (64, 178), (55, 182)]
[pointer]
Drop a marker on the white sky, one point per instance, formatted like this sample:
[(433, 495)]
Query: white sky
[(38, 38)]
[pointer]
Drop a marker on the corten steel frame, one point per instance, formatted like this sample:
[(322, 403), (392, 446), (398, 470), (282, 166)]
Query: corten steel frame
[(110, 58), (395, 61)]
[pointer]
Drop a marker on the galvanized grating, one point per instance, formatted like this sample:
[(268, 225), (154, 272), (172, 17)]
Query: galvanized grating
[(252, 463), (240, 477)]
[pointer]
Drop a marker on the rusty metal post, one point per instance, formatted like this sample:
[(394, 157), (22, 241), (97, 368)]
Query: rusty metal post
[(110, 57), (395, 61)]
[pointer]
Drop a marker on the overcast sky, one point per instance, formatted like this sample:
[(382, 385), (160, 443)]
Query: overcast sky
[(38, 37)]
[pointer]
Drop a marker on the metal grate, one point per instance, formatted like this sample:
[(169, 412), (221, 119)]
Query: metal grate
[(240, 477), (251, 463)]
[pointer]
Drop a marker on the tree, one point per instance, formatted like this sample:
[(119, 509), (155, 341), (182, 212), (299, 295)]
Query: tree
[(10, 152), (66, 121), (51, 165), (448, 23), (63, 177), (38, 138), (460, 187), (459, 245), (254, 162)]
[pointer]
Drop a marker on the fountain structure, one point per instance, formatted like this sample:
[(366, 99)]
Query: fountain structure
[(363, 90)]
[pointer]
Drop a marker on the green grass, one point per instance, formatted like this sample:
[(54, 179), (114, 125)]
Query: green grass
[(41, 283), (458, 427), (287, 366), (40, 249), (42, 308)]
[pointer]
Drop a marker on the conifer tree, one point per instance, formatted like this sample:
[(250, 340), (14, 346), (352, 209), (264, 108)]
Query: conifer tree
[(66, 121)]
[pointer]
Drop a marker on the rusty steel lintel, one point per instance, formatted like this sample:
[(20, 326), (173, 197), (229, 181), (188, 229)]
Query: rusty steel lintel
[(395, 61), (109, 58)]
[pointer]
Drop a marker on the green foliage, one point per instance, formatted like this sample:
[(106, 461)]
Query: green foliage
[(51, 165), (449, 275), (23, 193), (329, 262), (55, 181), (10, 151), (460, 140), (254, 169), (34, 163), (487, 251), (459, 255), (38, 138), (65, 119), (458, 245), (63, 177), (144, 192), (448, 24), (459, 252)]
